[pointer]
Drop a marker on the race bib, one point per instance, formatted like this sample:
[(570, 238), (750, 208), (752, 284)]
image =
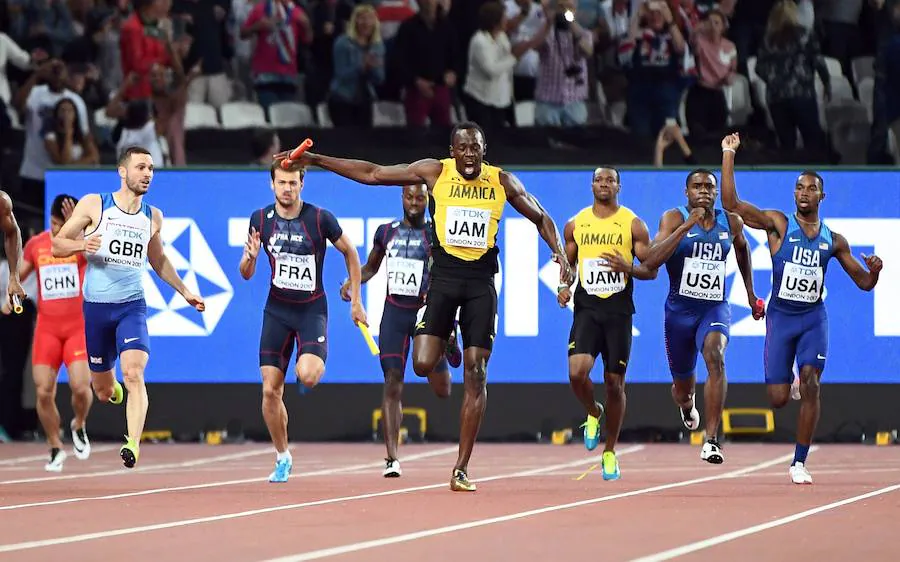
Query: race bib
[(295, 273), (124, 245), (404, 276), (59, 281), (467, 227), (703, 279), (801, 283), (597, 279)]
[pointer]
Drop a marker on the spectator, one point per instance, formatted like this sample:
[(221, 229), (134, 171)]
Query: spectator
[(748, 26), (706, 107), (652, 56), (10, 53), (36, 103), (841, 38), (358, 69), (788, 61), (892, 77), (99, 47), (145, 41), (562, 82), (42, 24), (205, 22), (427, 53), (329, 21), (524, 20), (489, 80), (65, 140)]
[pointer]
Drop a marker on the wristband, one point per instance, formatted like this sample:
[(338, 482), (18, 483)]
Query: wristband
[(561, 288), (731, 150)]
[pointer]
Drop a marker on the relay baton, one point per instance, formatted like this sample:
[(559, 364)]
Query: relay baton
[(368, 337), (296, 153), (17, 304)]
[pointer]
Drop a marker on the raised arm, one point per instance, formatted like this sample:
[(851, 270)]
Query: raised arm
[(773, 222), (70, 238), (530, 208), (865, 280), (423, 171), (160, 263), (742, 256)]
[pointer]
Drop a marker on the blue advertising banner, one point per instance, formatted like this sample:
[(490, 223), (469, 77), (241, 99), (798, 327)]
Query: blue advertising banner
[(206, 219)]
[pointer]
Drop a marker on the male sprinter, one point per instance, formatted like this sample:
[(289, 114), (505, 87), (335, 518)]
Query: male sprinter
[(468, 198), (119, 232), (604, 305), (797, 322), (694, 241), (59, 334), (12, 246), (294, 235), (406, 245)]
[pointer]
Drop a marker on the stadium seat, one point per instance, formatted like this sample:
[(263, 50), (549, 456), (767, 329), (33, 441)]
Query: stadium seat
[(863, 67), (288, 114), (323, 117), (524, 114), (834, 66), (866, 93), (200, 116), (102, 121), (388, 114), (243, 115), (737, 97)]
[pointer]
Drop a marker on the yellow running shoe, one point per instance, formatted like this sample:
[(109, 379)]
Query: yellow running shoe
[(130, 452), (592, 430), (118, 393), (610, 466), (459, 482)]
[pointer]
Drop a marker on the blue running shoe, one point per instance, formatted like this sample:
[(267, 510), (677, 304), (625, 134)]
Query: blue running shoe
[(282, 470), (592, 430), (610, 466)]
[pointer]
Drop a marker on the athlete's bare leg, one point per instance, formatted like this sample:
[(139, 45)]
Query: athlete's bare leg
[(779, 394), (103, 383), (134, 362), (716, 386), (475, 360), (82, 398), (440, 383), (809, 404), (45, 386), (310, 369), (615, 408), (684, 393), (392, 409), (580, 366), (427, 352), (273, 409)]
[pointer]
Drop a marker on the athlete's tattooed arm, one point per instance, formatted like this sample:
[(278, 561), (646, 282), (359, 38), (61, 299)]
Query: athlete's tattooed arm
[(529, 207), (865, 280), (422, 171)]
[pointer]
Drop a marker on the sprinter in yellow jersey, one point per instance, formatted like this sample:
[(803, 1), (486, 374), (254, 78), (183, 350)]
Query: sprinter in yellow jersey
[(603, 305), (467, 200)]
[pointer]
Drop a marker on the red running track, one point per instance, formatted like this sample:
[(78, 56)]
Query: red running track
[(195, 502)]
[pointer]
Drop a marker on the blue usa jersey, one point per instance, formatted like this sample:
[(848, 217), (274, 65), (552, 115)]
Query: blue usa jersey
[(697, 268), (798, 268), (407, 253)]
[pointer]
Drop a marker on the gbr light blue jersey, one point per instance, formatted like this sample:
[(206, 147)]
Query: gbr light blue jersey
[(115, 271), (798, 268), (697, 268)]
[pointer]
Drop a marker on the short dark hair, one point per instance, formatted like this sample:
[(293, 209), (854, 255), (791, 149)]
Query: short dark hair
[(126, 154), (687, 180), (816, 175), (466, 126), (277, 166), (618, 175), (56, 206), (490, 14)]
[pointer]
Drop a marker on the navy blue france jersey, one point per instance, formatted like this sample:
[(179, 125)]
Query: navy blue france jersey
[(697, 268), (407, 253), (798, 268), (296, 250)]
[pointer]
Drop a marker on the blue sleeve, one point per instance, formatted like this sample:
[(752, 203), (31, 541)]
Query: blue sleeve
[(330, 228), (256, 221), (380, 236)]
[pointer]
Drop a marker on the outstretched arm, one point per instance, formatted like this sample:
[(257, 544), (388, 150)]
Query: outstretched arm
[(351, 258), (12, 243), (745, 265), (368, 173), (865, 280), (529, 207), (773, 222)]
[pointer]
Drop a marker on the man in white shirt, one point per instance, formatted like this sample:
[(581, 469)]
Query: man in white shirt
[(525, 18)]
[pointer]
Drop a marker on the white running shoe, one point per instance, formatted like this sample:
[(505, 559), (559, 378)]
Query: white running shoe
[(81, 445), (795, 388), (691, 420), (712, 453), (392, 468), (799, 474), (56, 461)]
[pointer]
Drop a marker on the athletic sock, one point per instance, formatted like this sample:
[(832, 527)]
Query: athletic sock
[(53, 452), (282, 456), (800, 453)]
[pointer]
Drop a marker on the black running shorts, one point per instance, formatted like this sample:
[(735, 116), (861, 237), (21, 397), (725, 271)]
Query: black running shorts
[(599, 333), (397, 327), (476, 300), (285, 324)]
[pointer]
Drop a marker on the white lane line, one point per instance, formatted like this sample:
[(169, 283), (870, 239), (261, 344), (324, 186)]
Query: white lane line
[(365, 545), (142, 469), (15, 547), (700, 545), (323, 472), (34, 458)]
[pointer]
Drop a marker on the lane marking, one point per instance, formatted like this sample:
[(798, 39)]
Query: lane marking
[(33, 458), (365, 545), (15, 547), (323, 472), (700, 545)]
